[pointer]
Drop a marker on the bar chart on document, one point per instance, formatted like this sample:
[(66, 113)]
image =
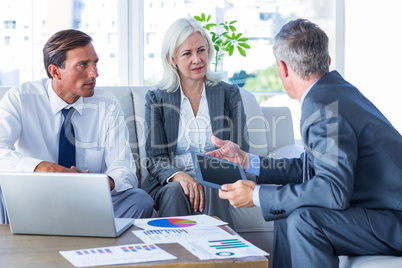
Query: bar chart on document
[(234, 247), (180, 235), (116, 255)]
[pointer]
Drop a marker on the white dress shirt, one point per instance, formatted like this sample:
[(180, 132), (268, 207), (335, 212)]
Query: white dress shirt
[(30, 122), (194, 134)]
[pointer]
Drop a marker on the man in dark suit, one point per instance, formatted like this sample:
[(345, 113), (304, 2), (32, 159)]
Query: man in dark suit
[(343, 196)]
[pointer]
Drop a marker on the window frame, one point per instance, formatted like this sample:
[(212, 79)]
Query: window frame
[(131, 41)]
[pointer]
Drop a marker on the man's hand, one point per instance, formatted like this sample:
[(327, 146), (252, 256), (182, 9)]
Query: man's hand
[(111, 182), (229, 151), (239, 194), (45, 166), (192, 189)]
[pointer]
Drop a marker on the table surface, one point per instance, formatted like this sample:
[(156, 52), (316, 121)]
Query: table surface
[(43, 251)]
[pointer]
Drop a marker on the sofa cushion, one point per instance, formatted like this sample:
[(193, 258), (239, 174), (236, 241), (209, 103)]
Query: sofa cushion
[(370, 261), (124, 95), (256, 123), (139, 111), (280, 127)]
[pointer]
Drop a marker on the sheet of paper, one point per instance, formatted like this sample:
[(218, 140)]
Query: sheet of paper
[(235, 247), (116, 255), (182, 222), (163, 236)]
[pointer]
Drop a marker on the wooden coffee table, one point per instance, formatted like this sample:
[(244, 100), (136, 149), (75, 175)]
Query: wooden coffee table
[(43, 251)]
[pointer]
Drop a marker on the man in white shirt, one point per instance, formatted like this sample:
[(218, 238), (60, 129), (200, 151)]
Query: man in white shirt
[(31, 120)]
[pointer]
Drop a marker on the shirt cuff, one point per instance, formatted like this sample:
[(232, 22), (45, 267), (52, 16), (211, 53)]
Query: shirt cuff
[(28, 164), (253, 164), (256, 196), (168, 179)]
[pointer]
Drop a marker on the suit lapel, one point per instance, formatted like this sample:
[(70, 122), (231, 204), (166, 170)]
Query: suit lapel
[(215, 99), (172, 117)]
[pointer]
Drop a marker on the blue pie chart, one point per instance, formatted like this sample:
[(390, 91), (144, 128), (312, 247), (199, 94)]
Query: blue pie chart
[(172, 223)]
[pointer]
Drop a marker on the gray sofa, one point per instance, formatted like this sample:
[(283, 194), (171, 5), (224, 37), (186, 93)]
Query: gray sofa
[(270, 134)]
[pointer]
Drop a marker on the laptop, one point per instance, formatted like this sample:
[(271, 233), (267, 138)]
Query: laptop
[(215, 172), (71, 204)]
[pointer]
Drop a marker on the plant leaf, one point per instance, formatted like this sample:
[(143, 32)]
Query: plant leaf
[(242, 39), (203, 16), (209, 17), (241, 51), (198, 18), (225, 44), (231, 49), (244, 45), (232, 28), (238, 36), (233, 21)]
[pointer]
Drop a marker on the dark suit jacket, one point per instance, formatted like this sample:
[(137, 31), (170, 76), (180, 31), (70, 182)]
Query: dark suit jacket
[(353, 157), (162, 113)]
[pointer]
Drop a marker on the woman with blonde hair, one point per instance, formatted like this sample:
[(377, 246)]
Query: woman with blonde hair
[(187, 107)]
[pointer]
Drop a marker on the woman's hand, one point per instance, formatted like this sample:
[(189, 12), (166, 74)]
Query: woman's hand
[(192, 189)]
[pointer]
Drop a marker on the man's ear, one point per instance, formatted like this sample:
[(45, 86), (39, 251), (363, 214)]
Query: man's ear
[(54, 71), (284, 68)]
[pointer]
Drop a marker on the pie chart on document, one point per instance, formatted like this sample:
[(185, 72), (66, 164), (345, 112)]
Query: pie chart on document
[(172, 223)]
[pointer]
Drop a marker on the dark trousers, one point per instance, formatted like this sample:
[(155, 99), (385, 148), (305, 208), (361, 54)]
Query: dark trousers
[(132, 203), (315, 237)]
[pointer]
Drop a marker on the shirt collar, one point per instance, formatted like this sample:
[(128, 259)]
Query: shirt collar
[(306, 92), (183, 97), (57, 104)]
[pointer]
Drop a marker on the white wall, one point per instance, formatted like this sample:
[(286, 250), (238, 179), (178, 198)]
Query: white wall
[(373, 53)]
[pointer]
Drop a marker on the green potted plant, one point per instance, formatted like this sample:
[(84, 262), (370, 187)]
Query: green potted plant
[(225, 43)]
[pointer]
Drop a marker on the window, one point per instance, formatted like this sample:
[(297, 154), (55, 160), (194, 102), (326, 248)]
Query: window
[(6, 40), (10, 24), (23, 61), (258, 20), (128, 34), (114, 24)]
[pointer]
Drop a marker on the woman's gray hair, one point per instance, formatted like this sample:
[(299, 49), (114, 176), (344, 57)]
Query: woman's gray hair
[(175, 35), (303, 46)]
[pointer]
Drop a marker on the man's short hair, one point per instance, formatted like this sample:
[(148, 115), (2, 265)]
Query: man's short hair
[(55, 49), (303, 46)]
